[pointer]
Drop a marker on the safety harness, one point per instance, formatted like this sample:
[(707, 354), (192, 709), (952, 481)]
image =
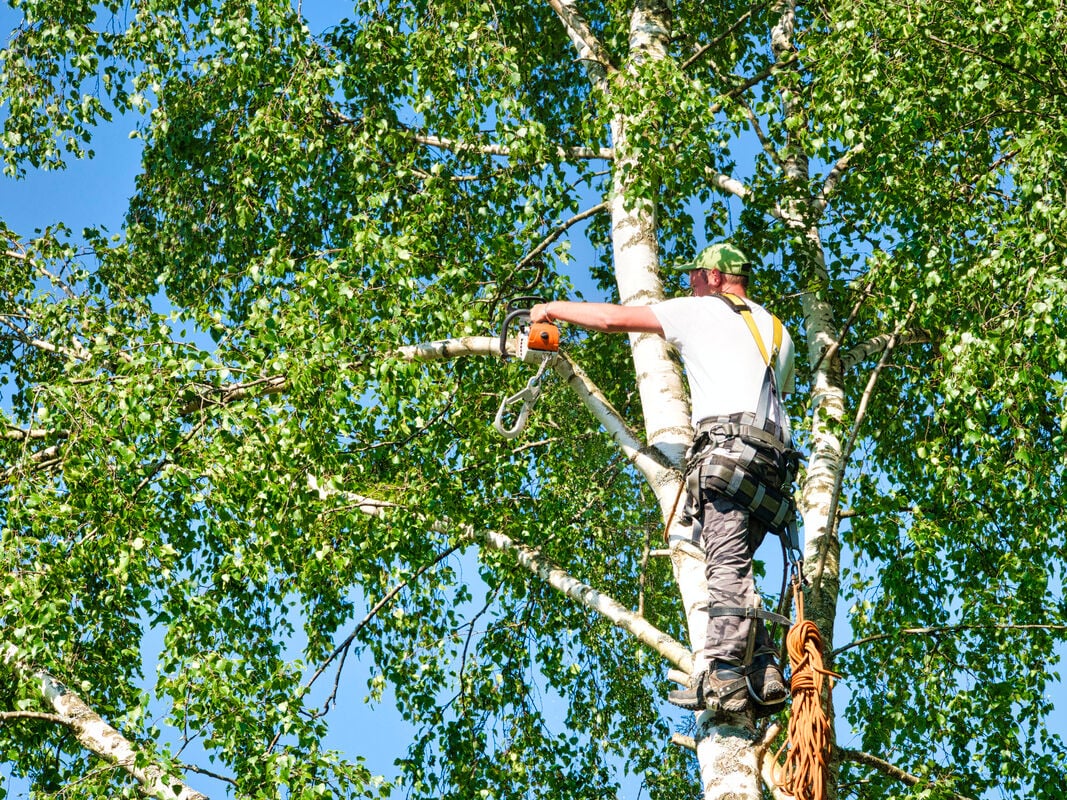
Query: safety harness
[(750, 459)]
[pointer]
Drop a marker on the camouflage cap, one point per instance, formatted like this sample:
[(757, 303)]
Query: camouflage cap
[(723, 256)]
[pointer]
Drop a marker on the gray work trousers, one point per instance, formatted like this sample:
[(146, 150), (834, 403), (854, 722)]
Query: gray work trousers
[(730, 536)]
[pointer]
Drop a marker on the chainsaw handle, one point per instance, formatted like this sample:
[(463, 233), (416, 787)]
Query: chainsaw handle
[(514, 314)]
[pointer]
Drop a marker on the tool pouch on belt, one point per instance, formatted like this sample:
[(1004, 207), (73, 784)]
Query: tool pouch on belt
[(733, 457)]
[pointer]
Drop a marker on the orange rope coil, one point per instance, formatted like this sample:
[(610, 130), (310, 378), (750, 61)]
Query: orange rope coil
[(806, 769)]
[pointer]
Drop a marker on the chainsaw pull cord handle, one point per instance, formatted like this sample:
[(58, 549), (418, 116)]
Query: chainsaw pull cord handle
[(527, 396)]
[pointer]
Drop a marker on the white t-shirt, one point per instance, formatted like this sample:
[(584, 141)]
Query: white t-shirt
[(722, 360)]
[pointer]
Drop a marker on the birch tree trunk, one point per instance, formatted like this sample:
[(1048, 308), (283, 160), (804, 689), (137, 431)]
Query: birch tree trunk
[(728, 764), (801, 214)]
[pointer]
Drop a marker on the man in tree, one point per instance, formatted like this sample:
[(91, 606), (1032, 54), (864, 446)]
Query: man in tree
[(742, 438)]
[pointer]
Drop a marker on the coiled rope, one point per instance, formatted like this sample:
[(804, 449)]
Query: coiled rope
[(806, 769)]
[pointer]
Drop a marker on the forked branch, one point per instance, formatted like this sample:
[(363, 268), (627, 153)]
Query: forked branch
[(886, 768), (559, 579)]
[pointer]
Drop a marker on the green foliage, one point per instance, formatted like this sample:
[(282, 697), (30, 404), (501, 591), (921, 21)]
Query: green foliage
[(205, 400)]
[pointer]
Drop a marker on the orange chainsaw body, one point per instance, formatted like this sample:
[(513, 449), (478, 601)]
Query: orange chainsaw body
[(543, 336)]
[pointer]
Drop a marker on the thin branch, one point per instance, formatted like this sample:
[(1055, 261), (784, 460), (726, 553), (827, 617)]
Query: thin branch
[(748, 83), (454, 146), (765, 142), (828, 355), (467, 640), (530, 558), (944, 629), (12, 716), (649, 460), (888, 769), (342, 648), (718, 39), (1008, 69), (166, 459), (559, 230), (208, 773), (727, 183)]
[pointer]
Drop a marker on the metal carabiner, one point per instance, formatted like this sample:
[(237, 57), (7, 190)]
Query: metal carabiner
[(528, 396)]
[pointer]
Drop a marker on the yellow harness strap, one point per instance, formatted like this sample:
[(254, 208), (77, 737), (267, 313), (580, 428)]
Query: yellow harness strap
[(742, 308)]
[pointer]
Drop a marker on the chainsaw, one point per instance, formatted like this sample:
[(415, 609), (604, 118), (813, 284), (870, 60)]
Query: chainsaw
[(537, 340), (538, 343)]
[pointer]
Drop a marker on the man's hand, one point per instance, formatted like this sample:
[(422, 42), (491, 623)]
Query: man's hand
[(539, 313)]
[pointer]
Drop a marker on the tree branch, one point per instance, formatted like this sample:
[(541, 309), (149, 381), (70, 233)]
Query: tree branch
[(39, 460), (342, 649), (749, 82), (560, 230), (11, 716), (886, 768), (76, 354), (607, 607), (728, 184), (589, 48), (877, 344), (833, 178), (718, 39), (504, 151), (531, 559), (14, 433), (95, 735), (224, 395), (944, 629)]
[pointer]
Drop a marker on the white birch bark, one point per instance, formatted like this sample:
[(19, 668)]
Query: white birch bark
[(727, 761), (96, 736)]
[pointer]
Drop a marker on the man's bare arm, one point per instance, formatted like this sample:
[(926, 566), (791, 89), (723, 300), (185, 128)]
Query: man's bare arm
[(605, 317)]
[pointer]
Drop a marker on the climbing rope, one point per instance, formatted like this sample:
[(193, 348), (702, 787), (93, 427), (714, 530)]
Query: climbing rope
[(807, 763)]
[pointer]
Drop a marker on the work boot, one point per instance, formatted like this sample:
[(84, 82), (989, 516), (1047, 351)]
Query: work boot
[(690, 698), (767, 685), (722, 687)]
